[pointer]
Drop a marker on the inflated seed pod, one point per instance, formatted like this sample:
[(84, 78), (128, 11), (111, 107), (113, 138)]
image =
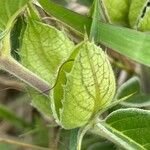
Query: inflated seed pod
[(130, 13), (85, 85), (117, 11), (139, 15)]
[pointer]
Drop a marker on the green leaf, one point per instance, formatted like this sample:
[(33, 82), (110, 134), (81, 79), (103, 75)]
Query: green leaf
[(96, 16), (116, 137), (33, 12), (131, 126), (8, 12), (123, 40), (126, 42), (78, 22), (44, 49), (129, 87), (138, 99), (117, 11), (87, 88)]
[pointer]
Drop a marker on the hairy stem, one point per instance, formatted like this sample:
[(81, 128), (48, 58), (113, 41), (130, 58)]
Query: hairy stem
[(13, 67), (102, 131), (81, 133)]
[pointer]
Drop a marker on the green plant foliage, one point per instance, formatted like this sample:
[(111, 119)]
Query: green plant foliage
[(130, 43), (76, 84), (78, 22), (8, 12), (136, 11), (123, 40), (138, 99), (132, 125), (130, 13), (129, 87), (96, 16), (117, 11), (44, 49), (86, 89)]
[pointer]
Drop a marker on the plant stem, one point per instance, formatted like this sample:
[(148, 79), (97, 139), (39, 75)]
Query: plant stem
[(102, 131), (13, 67), (81, 133), (74, 142)]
